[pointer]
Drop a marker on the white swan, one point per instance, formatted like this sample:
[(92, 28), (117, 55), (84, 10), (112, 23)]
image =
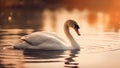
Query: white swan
[(49, 40)]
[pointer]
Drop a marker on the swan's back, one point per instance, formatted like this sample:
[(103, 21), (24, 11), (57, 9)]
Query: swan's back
[(35, 38)]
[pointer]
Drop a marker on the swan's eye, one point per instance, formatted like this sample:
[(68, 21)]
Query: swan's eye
[(76, 26)]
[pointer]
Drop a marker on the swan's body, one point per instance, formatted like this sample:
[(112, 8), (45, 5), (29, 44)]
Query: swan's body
[(49, 40)]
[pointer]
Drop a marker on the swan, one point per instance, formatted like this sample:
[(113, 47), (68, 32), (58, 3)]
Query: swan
[(49, 40)]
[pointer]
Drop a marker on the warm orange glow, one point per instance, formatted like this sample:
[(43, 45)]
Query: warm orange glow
[(82, 17), (47, 20), (94, 25), (9, 18)]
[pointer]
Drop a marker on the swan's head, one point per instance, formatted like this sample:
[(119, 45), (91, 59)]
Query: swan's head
[(74, 25)]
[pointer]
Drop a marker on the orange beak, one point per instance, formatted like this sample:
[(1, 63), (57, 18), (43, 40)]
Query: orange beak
[(77, 31)]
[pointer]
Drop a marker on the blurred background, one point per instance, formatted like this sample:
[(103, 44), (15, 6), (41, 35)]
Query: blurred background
[(99, 22), (92, 15)]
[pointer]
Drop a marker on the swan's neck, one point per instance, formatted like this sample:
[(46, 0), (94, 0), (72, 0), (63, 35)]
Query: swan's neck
[(74, 44)]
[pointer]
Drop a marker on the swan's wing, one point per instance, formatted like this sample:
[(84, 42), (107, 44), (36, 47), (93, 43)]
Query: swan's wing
[(35, 38), (39, 37)]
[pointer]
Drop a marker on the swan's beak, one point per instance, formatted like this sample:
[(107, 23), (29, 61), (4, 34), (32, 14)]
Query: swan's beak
[(77, 31)]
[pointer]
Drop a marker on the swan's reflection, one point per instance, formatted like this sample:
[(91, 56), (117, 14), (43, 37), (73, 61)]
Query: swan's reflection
[(71, 63), (42, 56), (37, 56)]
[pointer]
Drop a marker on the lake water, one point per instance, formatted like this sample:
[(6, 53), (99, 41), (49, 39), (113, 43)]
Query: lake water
[(95, 51)]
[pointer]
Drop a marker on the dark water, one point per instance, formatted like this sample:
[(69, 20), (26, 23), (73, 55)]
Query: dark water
[(11, 58)]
